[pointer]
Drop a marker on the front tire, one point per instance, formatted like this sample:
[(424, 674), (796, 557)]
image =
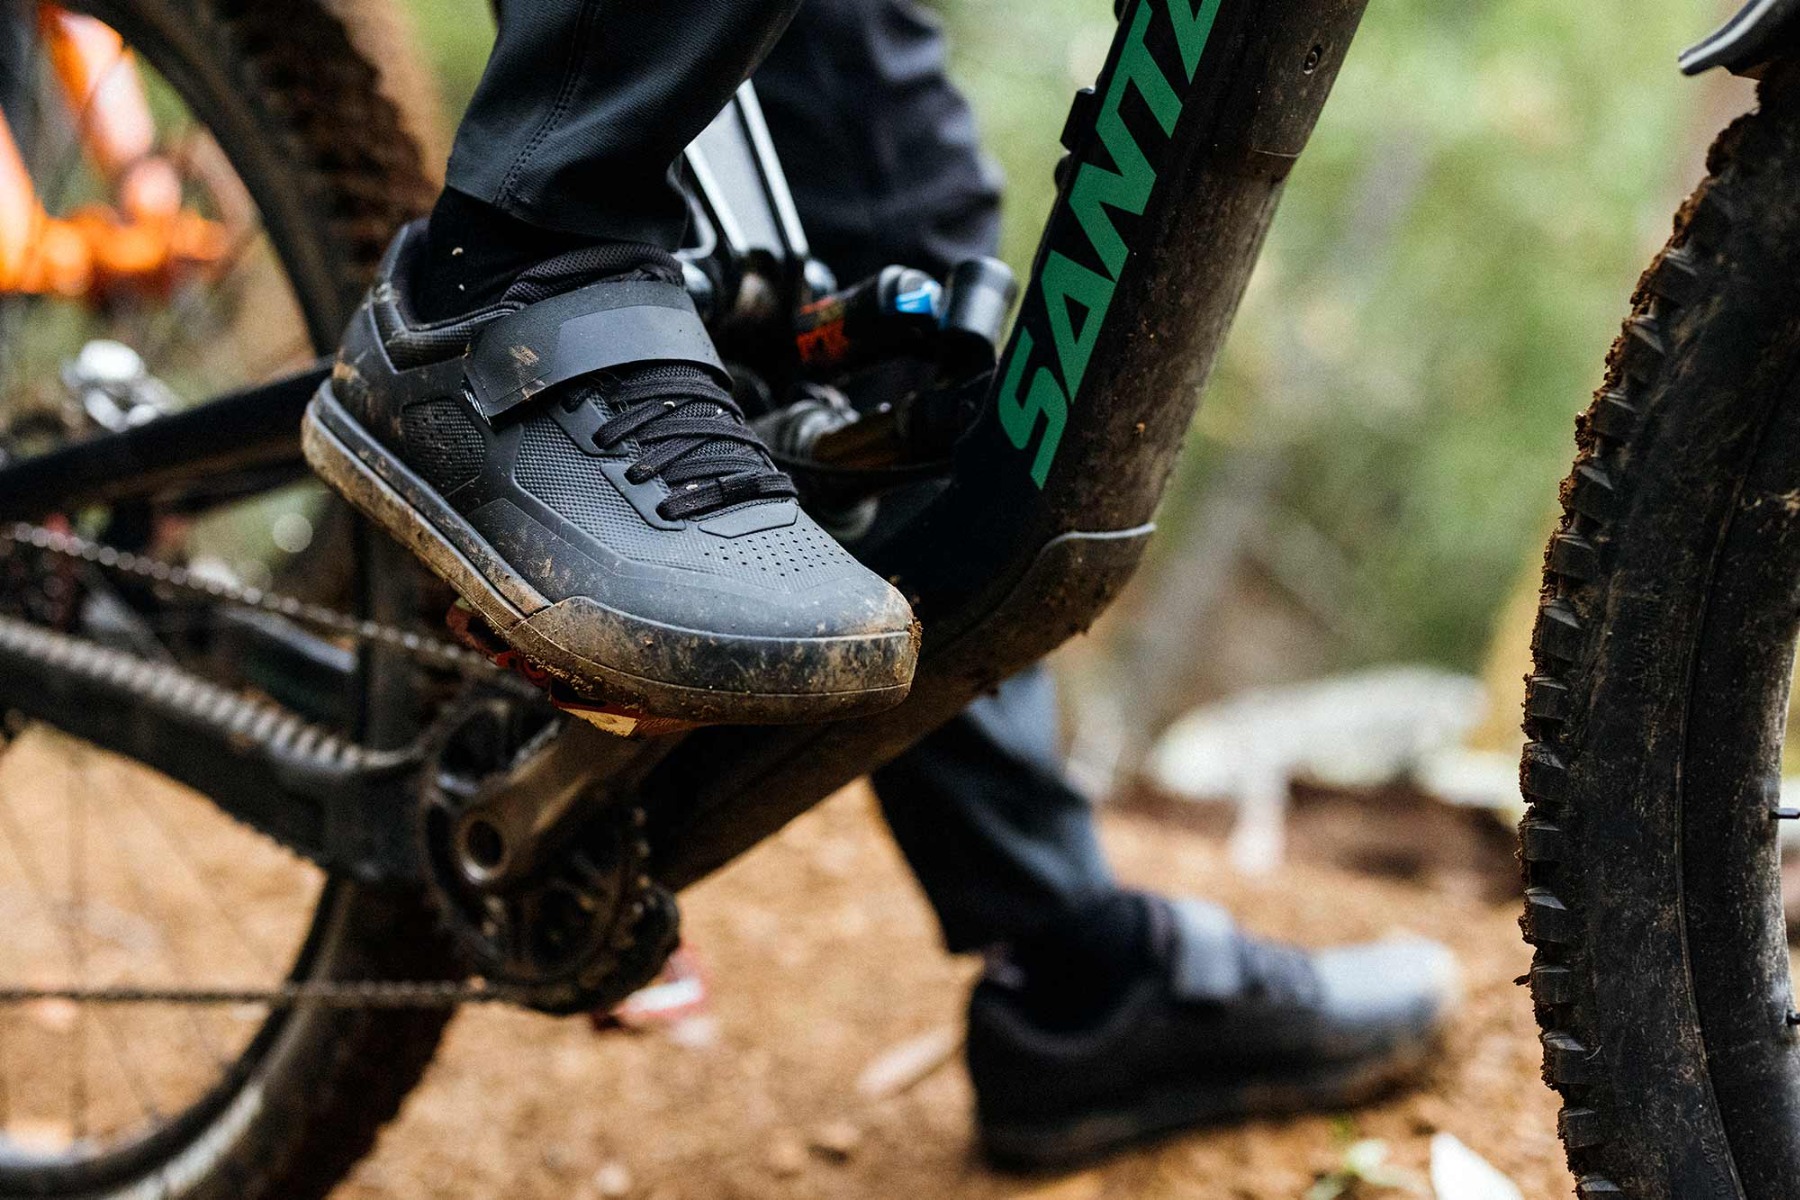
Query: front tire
[(1664, 652)]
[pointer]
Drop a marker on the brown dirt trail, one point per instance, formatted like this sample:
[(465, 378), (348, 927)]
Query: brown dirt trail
[(822, 957)]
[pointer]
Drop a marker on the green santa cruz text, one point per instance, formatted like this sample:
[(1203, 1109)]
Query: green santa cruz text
[(1127, 189)]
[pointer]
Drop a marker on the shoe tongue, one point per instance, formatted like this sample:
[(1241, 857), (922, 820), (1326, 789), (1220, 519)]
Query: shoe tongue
[(621, 261)]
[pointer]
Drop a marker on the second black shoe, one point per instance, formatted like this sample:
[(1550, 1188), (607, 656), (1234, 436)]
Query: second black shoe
[(1215, 1025), (571, 462)]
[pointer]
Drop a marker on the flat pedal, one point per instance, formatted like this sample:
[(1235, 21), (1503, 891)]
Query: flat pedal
[(472, 631)]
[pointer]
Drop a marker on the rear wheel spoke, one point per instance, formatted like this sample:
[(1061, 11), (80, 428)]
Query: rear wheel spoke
[(78, 959), (81, 915), (68, 919), (169, 950), (207, 880)]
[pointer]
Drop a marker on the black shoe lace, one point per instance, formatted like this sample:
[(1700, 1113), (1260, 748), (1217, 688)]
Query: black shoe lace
[(1282, 975), (691, 434), (688, 431)]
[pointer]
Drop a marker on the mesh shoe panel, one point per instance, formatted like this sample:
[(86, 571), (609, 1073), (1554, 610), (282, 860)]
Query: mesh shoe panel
[(442, 443)]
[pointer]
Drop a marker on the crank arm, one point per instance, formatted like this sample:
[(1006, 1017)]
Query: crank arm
[(199, 450), (343, 806), (501, 828)]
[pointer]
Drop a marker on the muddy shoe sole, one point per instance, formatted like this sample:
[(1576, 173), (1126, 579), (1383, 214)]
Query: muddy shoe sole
[(1060, 1144), (597, 649)]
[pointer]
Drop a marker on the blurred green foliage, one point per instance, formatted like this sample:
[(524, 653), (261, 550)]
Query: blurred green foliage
[(1451, 261), (457, 35)]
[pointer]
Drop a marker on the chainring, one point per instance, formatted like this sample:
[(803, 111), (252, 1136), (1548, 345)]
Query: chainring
[(580, 934)]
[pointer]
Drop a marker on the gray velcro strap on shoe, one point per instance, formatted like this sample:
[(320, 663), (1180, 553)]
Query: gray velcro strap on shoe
[(1205, 965), (595, 328)]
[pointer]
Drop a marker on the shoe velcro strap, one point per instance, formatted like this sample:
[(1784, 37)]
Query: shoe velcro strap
[(595, 328), (1205, 958)]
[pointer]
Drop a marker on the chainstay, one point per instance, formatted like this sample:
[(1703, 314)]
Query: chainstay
[(429, 651)]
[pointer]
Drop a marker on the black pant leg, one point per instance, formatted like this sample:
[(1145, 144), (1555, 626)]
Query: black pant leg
[(586, 104), (1005, 850), (879, 147), (881, 152)]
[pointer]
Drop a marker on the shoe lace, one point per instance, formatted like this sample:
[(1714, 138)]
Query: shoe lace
[(692, 435), (688, 431), (1283, 975)]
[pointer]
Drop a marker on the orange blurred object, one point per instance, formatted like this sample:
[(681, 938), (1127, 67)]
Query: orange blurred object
[(149, 240), (100, 81), (37, 254)]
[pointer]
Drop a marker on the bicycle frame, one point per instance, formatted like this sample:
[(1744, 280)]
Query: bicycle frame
[(1177, 159), (1758, 32)]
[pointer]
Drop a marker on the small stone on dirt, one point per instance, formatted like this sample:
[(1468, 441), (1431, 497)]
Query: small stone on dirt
[(836, 1141), (700, 1032), (908, 1063), (613, 1180), (57, 1015), (1458, 1173), (787, 1157)]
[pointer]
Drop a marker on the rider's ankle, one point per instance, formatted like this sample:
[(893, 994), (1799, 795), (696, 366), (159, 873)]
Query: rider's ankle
[(473, 252), (1076, 972)]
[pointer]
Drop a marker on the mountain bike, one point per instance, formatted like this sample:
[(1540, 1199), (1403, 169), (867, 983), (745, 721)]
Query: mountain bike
[(1658, 707), (267, 816)]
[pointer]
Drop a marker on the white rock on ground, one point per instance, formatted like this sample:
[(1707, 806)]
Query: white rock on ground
[(1458, 1173), (1358, 730)]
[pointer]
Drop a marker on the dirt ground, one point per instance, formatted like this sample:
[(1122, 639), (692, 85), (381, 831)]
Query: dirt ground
[(823, 962)]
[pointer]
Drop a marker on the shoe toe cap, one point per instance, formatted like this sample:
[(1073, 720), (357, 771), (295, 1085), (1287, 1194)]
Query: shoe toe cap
[(1401, 988), (785, 578)]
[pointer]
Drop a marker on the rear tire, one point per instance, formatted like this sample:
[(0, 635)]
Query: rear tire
[(1664, 652)]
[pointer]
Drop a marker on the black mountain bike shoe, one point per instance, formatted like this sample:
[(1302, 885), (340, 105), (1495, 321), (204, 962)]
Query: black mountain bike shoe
[(571, 462), (1220, 1026)]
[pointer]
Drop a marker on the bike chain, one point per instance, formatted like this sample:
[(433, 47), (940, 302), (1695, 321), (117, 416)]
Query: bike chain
[(320, 993), (428, 651)]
